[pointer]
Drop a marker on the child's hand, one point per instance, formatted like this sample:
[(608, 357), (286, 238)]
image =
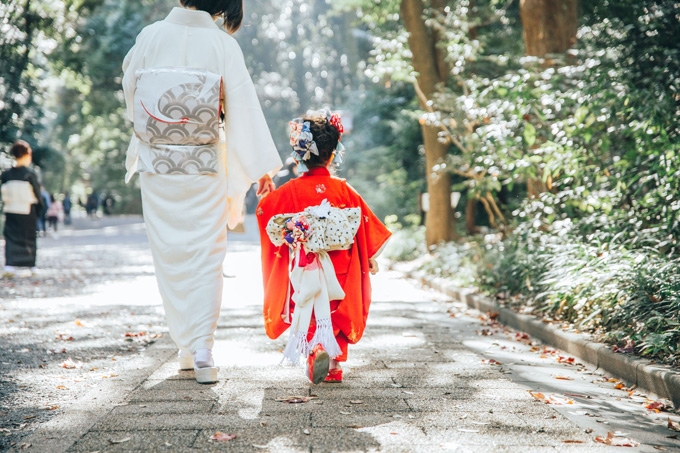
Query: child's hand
[(373, 266)]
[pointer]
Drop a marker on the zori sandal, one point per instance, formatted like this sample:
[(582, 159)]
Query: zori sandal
[(317, 364), (334, 376)]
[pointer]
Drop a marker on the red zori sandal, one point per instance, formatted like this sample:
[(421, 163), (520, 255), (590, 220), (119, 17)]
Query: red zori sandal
[(317, 364), (334, 376)]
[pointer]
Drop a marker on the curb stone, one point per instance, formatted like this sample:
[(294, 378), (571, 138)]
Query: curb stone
[(662, 380)]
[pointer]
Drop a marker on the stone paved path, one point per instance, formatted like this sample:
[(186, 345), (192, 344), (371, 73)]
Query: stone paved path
[(420, 380)]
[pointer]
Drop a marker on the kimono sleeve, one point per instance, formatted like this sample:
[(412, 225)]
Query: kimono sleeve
[(275, 262), (133, 61), (247, 132), (377, 233), (33, 179)]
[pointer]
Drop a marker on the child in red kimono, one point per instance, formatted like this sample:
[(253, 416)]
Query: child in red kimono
[(334, 276)]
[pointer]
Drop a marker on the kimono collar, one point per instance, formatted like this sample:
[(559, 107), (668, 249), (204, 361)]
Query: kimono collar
[(191, 18), (318, 171)]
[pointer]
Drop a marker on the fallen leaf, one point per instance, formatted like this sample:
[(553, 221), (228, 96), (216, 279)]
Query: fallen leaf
[(627, 349), (577, 395), (70, 364), (615, 441), (79, 323), (221, 437), (551, 399), (296, 399), (620, 386), (656, 406), (564, 378), (572, 441), (673, 426), (121, 441)]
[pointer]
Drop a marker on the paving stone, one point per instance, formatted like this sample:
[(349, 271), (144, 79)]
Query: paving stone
[(222, 421), (166, 407), (113, 441)]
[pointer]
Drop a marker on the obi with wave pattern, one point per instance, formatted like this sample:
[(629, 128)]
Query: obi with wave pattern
[(177, 119)]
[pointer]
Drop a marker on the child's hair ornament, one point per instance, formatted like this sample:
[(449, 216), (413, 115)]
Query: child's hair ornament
[(302, 139)]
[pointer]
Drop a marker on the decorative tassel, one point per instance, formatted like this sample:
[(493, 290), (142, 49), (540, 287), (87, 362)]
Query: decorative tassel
[(325, 337), (297, 346)]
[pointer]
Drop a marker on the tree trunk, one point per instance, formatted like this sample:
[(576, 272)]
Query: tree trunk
[(471, 215), (549, 25), (428, 62)]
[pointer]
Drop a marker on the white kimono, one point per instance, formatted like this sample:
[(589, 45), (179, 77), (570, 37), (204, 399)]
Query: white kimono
[(186, 215)]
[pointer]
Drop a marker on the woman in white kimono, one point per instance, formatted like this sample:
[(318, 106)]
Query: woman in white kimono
[(186, 215)]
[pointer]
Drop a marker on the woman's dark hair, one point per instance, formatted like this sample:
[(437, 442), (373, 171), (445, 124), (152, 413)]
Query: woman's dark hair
[(20, 149), (326, 137), (231, 11)]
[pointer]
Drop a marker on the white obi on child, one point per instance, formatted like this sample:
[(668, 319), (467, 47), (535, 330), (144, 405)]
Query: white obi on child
[(311, 234)]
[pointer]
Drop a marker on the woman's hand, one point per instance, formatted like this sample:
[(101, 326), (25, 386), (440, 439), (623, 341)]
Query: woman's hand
[(373, 266), (266, 185)]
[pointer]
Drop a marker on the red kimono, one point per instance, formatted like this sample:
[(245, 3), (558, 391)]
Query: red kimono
[(351, 266)]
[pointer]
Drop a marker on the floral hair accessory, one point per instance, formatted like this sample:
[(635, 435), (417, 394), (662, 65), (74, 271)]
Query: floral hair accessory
[(302, 140), (336, 121)]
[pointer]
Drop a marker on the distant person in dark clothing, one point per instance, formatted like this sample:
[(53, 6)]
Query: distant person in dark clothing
[(67, 204), (108, 204), (91, 205), (22, 202), (42, 215)]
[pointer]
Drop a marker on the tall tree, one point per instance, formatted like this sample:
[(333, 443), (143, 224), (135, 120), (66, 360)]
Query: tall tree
[(549, 25), (429, 62), (16, 88)]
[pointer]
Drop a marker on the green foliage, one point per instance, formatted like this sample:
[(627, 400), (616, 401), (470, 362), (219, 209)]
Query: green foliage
[(581, 151)]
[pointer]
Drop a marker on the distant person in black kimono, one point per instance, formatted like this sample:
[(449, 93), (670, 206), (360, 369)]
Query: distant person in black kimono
[(22, 203), (92, 205), (67, 204)]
